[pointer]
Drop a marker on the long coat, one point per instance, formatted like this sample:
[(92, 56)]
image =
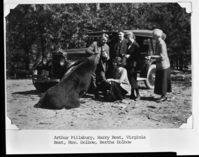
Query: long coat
[(161, 50), (134, 52), (104, 53)]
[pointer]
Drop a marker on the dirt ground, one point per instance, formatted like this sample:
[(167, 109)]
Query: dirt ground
[(99, 114)]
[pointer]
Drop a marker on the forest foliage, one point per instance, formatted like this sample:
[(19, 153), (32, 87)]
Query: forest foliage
[(40, 28)]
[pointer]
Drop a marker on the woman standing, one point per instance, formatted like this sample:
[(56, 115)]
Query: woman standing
[(163, 72), (120, 85), (132, 55)]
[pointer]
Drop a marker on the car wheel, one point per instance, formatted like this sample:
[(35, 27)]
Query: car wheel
[(150, 80)]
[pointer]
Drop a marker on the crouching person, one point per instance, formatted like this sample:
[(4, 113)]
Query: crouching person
[(119, 84)]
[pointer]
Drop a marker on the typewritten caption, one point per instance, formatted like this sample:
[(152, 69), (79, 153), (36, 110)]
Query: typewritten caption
[(97, 140)]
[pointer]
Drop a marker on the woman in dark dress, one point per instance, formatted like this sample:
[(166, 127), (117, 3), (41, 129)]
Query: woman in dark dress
[(133, 52)]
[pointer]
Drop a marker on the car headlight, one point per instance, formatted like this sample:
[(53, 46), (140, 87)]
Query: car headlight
[(62, 61), (44, 61)]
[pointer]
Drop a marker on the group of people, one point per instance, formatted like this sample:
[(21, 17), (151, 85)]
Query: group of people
[(124, 61)]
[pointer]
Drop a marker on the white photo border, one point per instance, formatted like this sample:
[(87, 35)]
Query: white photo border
[(182, 141)]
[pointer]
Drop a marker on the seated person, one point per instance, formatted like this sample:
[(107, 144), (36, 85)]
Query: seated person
[(119, 84)]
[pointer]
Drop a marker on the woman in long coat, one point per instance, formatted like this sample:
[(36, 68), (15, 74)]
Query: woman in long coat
[(132, 55), (163, 71)]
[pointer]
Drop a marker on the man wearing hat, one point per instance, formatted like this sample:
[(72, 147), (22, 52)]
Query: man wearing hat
[(120, 48), (99, 75)]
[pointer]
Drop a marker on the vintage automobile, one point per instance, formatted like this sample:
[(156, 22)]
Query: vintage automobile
[(48, 70)]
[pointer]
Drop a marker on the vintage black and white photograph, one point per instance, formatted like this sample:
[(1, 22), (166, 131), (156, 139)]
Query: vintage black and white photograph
[(90, 66)]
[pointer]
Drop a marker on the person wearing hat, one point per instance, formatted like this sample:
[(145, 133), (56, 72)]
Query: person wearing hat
[(163, 71), (99, 76), (120, 48), (119, 84), (132, 56)]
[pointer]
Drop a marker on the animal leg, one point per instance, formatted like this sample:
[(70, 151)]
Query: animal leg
[(73, 100)]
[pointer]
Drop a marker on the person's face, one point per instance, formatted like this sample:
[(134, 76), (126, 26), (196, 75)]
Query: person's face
[(115, 65), (155, 37), (120, 35), (103, 40), (129, 38)]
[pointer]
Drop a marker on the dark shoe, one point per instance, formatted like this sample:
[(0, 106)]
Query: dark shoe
[(137, 98), (96, 96), (110, 98), (161, 99), (132, 97), (105, 94)]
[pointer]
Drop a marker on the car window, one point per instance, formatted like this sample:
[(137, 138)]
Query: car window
[(91, 40), (151, 45), (147, 45), (143, 43)]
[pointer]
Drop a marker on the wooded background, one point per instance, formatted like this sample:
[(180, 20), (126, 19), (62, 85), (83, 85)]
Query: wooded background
[(41, 28)]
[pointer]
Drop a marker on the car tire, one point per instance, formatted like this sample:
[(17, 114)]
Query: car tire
[(150, 80)]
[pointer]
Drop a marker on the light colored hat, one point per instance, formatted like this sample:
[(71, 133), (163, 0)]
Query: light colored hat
[(157, 32), (104, 35)]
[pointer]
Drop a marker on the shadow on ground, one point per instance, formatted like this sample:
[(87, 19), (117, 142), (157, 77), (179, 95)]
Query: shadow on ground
[(30, 92), (147, 98)]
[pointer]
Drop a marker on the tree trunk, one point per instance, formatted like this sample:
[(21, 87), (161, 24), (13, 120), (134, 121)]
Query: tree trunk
[(26, 58), (97, 9), (42, 44)]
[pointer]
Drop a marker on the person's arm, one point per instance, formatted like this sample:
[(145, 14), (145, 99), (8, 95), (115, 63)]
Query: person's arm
[(162, 53), (105, 54), (137, 55), (121, 79)]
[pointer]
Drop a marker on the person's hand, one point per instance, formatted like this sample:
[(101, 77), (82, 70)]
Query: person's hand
[(97, 52), (148, 57), (107, 83), (109, 80), (127, 56), (104, 54), (132, 70)]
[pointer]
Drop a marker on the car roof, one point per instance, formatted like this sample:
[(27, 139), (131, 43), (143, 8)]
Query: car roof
[(137, 32), (145, 33)]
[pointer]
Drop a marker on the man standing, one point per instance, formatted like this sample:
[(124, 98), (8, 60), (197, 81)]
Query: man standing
[(120, 48), (99, 76)]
